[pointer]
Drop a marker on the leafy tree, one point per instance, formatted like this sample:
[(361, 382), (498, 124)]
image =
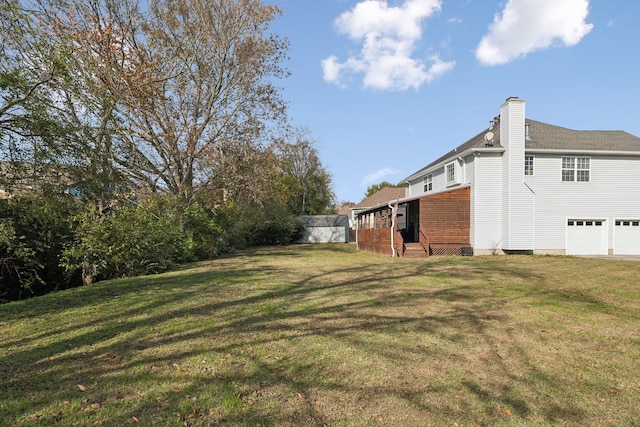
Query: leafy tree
[(305, 184), (374, 188), (187, 80), (271, 225), (122, 102), (45, 114), (154, 96)]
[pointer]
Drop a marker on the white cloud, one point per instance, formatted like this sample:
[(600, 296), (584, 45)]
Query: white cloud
[(388, 35), (525, 26), (376, 177)]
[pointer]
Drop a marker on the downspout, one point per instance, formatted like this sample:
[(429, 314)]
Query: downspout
[(393, 223), (357, 228), (393, 226)]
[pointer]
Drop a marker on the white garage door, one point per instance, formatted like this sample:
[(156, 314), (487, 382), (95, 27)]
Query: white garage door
[(626, 237), (586, 237)]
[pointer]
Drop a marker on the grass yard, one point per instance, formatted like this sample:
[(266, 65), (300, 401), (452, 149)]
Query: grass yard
[(315, 335)]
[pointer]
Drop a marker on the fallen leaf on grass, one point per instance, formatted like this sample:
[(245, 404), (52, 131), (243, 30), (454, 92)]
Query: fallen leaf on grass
[(615, 390), (506, 411), (81, 387), (36, 416), (96, 405)]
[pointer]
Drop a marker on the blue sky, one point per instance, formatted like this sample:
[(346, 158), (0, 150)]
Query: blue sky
[(387, 86)]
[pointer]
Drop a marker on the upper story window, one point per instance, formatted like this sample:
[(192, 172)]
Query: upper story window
[(528, 165), (428, 183), (450, 173), (576, 169)]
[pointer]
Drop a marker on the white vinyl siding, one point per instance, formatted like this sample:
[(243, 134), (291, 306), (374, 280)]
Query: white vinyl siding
[(604, 198), (518, 201), (417, 186), (458, 171), (486, 197)]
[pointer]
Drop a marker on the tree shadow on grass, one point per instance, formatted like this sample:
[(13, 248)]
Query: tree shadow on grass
[(215, 345)]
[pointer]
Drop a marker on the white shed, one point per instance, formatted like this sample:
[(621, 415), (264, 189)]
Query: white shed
[(325, 229)]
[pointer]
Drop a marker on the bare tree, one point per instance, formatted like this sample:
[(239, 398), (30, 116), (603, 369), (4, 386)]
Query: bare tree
[(157, 94), (305, 179)]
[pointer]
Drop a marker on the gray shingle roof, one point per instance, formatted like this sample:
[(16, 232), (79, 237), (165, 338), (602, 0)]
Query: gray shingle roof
[(544, 136), (549, 137), (477, 141)]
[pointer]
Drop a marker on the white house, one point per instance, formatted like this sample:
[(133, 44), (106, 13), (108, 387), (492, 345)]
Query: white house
[(530, 187)]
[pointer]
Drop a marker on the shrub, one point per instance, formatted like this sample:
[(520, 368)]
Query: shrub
[(271, 226), (144, 238), (34, 231)]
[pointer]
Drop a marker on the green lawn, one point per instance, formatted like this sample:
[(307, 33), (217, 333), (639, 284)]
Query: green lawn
[(314, 335)]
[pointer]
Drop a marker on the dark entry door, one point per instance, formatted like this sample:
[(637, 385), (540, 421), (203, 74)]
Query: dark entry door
[(413, 221)]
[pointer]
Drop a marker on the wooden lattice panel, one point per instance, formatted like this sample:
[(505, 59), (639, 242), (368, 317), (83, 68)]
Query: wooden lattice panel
[(445, 249)]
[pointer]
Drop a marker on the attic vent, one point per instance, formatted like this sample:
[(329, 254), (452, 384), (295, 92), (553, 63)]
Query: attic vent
[(494, 122)]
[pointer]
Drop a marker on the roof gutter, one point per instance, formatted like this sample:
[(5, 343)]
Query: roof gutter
[(408, 199), (462, 154), (590, 152)]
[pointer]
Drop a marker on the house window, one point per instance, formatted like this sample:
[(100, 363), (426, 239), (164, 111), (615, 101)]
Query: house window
[(528, 165), (428, 183), (575, 169), (450, 173)]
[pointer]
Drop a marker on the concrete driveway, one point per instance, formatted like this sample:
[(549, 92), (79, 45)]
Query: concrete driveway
[(615, 257)]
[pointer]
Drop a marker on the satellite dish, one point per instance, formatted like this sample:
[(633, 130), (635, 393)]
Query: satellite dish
[(488, 136)]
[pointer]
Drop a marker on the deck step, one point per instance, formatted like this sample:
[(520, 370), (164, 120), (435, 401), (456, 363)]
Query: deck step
[(414, 250)]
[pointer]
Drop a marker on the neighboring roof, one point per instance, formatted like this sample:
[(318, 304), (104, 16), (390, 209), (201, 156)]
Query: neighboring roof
[(384, 195), (325, 220), (543, 136), (346, 209)]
